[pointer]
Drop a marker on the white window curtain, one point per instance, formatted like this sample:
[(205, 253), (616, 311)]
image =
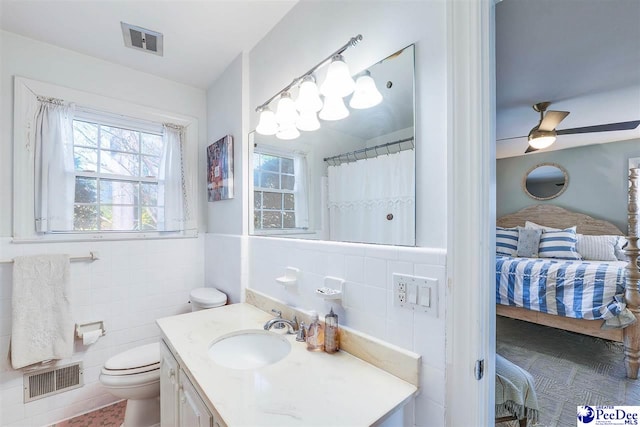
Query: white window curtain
[(300, 191), (172, 206), (373, 200), (54, 167)]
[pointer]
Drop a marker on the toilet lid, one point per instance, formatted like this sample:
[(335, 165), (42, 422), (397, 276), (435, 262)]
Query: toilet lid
[(138, 357), (208, 296)]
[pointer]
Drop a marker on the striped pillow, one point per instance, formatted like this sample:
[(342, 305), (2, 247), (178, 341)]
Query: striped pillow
[(506, 241), (558, 244), (597, 248)]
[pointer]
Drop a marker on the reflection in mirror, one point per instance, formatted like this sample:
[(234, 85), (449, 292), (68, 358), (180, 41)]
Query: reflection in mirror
[(545, 181), (352, 180)]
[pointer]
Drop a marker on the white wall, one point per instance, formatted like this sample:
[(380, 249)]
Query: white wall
[(309, 32), (134, 282)]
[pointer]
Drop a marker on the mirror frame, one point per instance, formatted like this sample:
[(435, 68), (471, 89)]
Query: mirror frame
[(558, 194)]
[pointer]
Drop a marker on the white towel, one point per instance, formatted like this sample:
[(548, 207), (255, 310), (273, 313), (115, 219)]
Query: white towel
[(42, 326)]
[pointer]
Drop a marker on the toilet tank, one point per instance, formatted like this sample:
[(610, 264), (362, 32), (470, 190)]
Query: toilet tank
[(205, 298)]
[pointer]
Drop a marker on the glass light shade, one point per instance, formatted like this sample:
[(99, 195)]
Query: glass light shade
[(308, 97), (338, 81), (334, 109), (286, 114), (289, 132), (267, 124), (542, 142), (308, 121), (366, 94)]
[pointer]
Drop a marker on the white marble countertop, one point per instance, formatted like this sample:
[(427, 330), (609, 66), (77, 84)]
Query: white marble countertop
[(303, 389)]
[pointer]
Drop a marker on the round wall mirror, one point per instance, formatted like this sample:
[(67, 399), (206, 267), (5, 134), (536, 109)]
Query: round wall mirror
[(545, 181)]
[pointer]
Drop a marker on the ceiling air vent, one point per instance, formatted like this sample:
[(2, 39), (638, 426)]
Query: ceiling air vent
[(142, 39)]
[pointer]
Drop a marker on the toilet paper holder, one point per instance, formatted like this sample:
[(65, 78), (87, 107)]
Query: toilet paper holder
[(83, 328)]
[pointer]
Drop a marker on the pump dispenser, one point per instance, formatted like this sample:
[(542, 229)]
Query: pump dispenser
[(315, 334), (331, 334)]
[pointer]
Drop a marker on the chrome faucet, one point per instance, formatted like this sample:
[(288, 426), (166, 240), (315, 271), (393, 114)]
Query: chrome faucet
[(279, 323)]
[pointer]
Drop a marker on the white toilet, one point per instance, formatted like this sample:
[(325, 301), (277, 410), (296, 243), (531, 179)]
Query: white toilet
[(135, 375), (204, 298)]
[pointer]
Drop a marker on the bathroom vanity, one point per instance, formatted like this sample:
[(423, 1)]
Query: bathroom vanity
[(301, 388)]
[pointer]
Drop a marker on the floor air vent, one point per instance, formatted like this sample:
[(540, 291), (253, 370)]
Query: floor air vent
[(47, 382), (142, 39)]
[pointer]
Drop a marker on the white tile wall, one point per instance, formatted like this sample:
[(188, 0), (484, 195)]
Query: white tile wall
[(133, 284), (368, 304)]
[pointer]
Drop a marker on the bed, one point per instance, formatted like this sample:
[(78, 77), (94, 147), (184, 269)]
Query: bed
[(591, 297)]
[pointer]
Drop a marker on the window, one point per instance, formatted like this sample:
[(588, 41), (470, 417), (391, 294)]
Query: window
[(274, 197), (119, 170), (116, 177)]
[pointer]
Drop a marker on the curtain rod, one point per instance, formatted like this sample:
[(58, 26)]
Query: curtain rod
[(93, 256), (364, 150)]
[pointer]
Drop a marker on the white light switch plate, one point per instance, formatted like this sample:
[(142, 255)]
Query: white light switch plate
[(415, 293)]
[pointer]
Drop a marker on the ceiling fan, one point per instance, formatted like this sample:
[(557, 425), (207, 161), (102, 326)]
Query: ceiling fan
[(545, 133)]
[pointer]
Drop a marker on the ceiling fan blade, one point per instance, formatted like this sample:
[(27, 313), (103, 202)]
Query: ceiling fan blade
[(513, 137), (552, 119), (530, 149), (601, 128)]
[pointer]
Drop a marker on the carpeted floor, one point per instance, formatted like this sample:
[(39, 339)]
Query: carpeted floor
[(569, 369)]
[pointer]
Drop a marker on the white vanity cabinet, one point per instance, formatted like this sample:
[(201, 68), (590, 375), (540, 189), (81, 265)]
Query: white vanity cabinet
[(180, 404)]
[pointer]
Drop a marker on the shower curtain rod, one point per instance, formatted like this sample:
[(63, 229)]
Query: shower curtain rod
[(345, 157)]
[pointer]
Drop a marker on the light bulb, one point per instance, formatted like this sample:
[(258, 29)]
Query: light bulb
[(308, 97), (308, 121), (366, 94), (267, 124), (540, 139), (338, 81), (334, 109), (286, 114), (288, 132)]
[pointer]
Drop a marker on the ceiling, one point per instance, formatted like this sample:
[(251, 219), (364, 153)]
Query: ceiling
[(201, 38), (583, 56)]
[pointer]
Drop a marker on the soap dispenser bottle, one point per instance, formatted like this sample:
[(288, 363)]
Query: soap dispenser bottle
[(331, 334), (315, 334)]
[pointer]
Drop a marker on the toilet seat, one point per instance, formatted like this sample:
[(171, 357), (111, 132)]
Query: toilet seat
[(208, 297), (128, 381), (138, 360)]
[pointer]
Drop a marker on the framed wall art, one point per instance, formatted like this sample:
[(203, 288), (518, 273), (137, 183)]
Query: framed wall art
[(220, 169)]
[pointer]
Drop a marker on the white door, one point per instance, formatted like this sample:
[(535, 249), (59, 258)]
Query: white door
[(168, 388)]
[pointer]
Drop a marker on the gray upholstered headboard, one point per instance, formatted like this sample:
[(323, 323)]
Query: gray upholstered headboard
[(557, 217)]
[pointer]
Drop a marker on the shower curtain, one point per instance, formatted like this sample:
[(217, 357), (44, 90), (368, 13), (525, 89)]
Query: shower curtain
[(373, 200)]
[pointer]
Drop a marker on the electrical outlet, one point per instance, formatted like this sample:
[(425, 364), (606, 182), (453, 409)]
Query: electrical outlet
[(402, 297), (415, 293), (402, 287)]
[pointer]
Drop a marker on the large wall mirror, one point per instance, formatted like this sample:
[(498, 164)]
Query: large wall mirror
[(545, 181), (352, 180)]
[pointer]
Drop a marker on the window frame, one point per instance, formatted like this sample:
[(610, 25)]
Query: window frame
[(119, 111), (270, 151)]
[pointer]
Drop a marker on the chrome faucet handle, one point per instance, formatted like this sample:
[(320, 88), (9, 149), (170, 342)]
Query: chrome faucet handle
[(278, 314)]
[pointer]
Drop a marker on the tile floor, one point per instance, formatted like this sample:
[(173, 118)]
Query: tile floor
[(109, 416)]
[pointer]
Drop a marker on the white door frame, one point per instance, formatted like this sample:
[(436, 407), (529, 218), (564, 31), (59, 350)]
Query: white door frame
[(470, 315)]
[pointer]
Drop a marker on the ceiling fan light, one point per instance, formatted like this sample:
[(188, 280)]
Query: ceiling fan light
[(366, 94), (267, 124), (540, 139), (338, 81), (308, 97)]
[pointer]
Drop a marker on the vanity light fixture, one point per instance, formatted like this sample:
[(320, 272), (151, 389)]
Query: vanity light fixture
[(334, 109), (366, 94), (338, 84)]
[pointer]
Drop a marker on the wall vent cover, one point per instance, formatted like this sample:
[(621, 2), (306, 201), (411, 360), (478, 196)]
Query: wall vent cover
[(142, 39), (50, 381)]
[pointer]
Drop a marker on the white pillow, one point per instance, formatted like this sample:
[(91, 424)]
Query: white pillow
[(533, 225), (597, 248)]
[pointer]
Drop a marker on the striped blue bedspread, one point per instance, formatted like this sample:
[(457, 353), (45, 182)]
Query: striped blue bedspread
[(579, 289)]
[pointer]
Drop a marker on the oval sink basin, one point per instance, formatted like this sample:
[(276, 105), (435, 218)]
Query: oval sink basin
[(249, 349)]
